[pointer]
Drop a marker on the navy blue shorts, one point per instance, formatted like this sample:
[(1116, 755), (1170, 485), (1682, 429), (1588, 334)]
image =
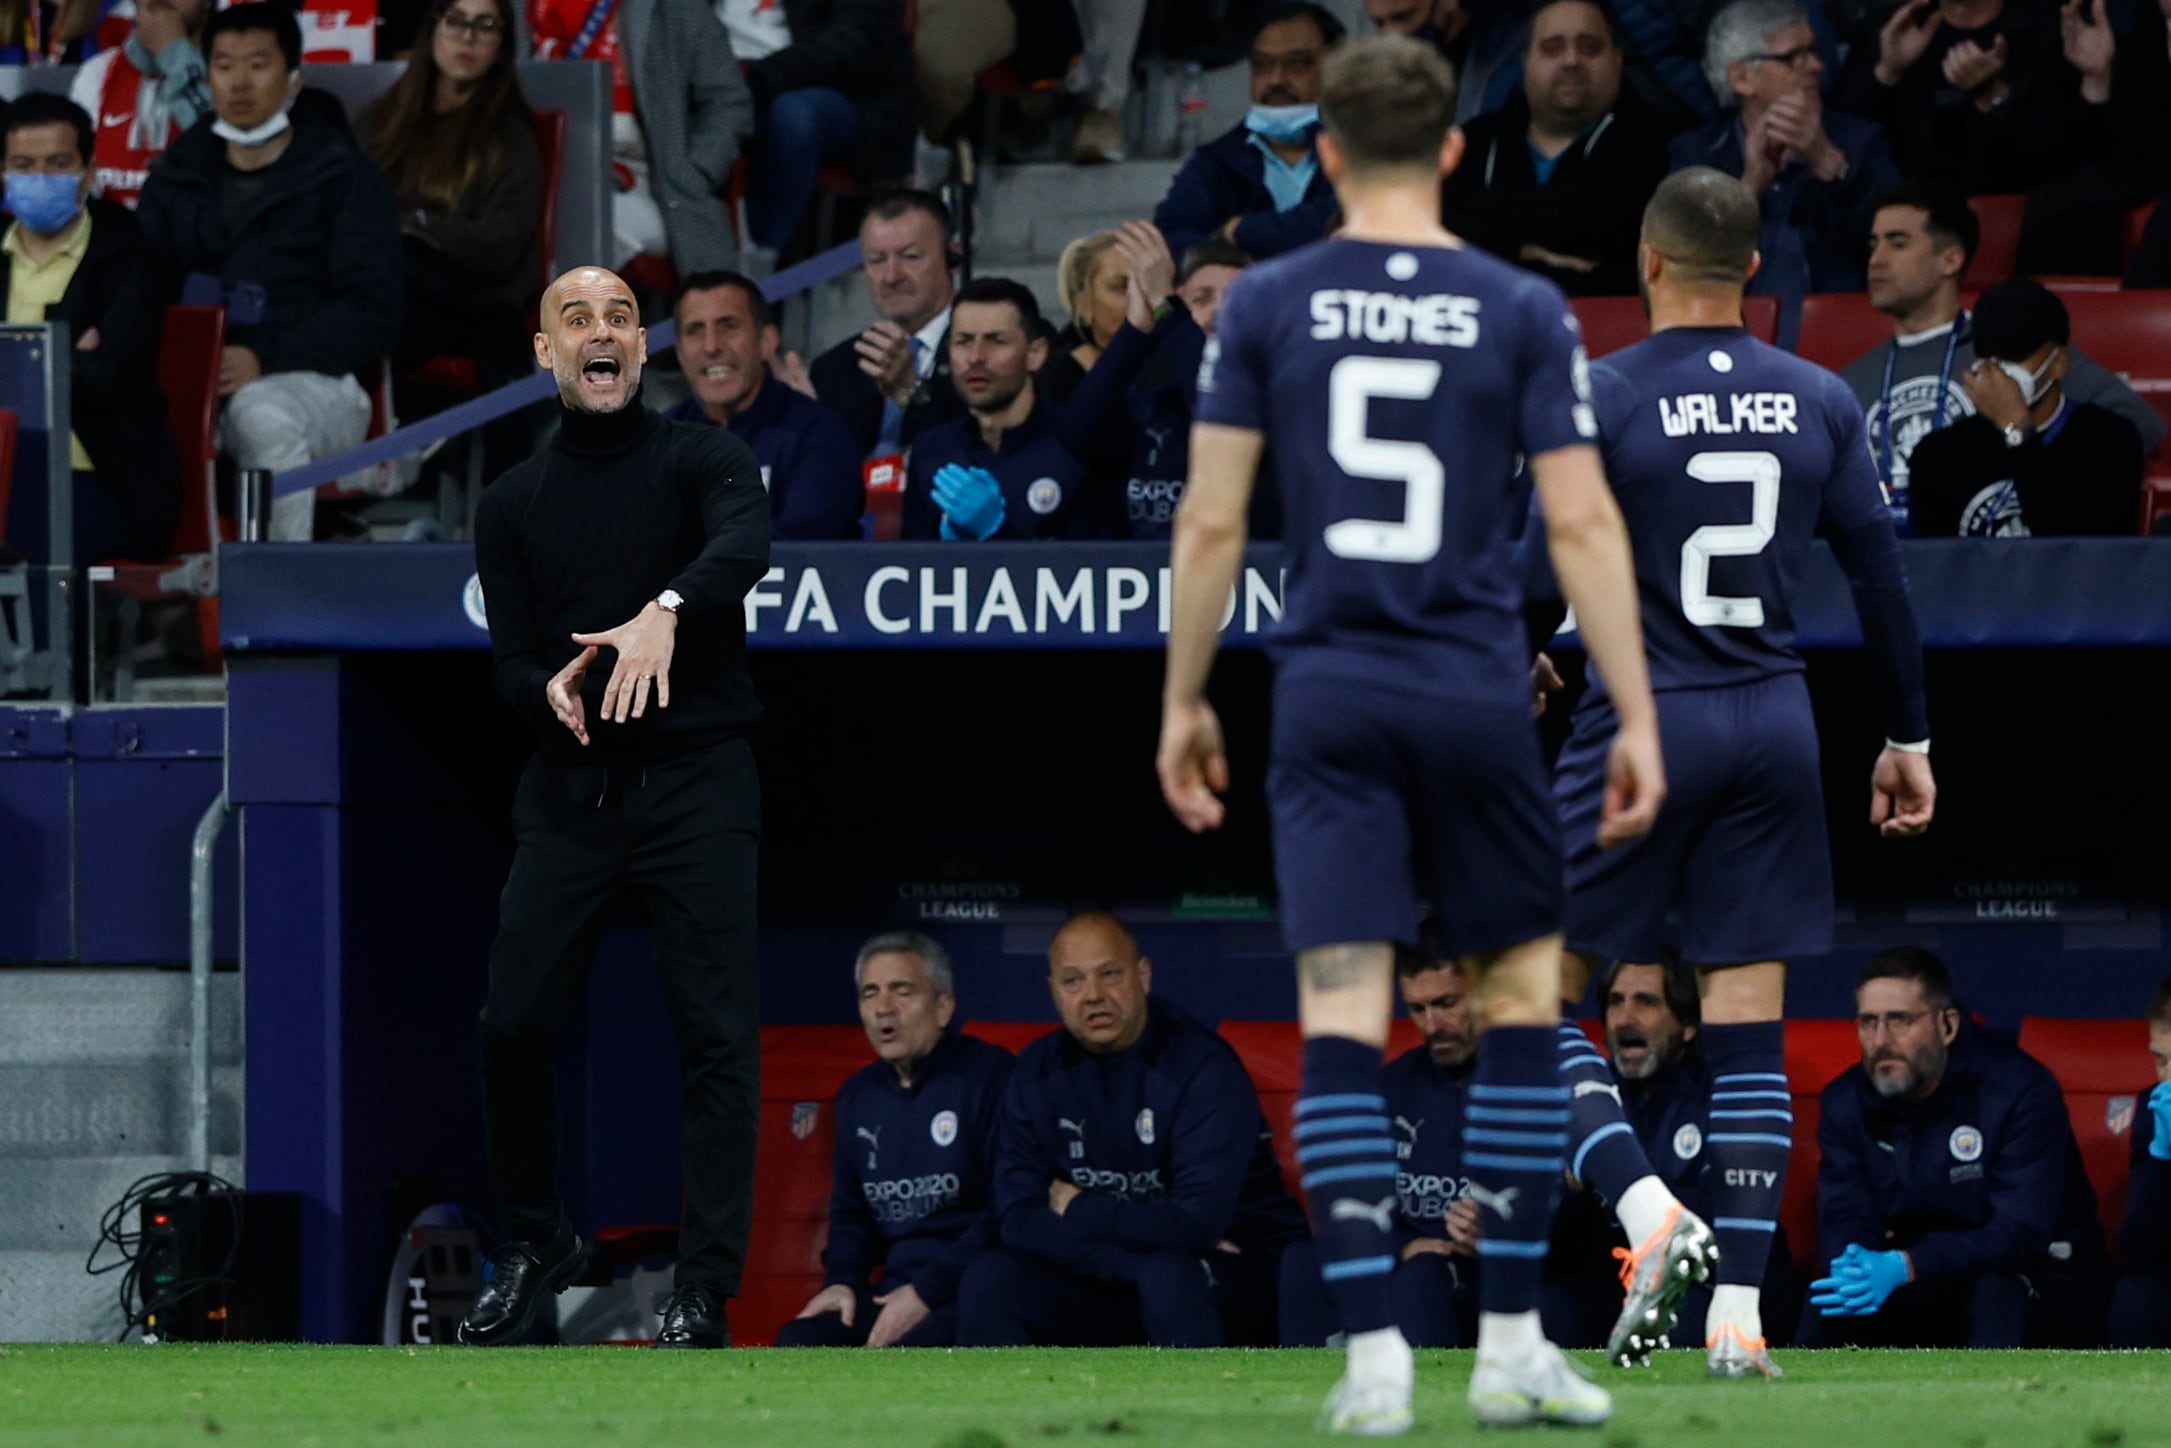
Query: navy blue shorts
[(1739, 854), (1386, 802)]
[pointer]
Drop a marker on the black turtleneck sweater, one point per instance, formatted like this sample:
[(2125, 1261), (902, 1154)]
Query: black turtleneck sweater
[(577, 539)]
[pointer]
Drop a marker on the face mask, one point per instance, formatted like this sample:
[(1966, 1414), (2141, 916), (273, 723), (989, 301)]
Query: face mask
[(2033, 385), (1285, 124), (44, 203), (252, 136)]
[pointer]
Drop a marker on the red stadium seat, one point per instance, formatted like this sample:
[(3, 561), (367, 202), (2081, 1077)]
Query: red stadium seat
[(2130, 333), (9, 425), (1839, 327), (801, 1069), (2105, 1070), (1816, 1052), (1998, 255), (1611, 323), (2155, 503), (2136, 223), (188, 371)]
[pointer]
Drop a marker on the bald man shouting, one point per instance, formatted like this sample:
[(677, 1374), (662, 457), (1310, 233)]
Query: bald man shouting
[(612, 566)]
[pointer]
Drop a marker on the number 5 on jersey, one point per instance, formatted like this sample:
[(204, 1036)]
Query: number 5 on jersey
[(1351, 387)]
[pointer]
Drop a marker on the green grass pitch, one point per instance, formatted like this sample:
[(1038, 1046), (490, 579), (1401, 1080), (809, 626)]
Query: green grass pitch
[(303, 1397)]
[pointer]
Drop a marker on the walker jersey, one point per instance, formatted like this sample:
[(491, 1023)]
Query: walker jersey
[(1728, 457), (1402, 387)]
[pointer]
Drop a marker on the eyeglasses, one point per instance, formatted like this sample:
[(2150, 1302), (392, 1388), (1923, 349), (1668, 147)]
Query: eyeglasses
[(474, 27), (1794, 58), (1891, 1022)]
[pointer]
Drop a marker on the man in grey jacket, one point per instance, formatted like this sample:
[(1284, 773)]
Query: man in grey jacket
[(695, 111)]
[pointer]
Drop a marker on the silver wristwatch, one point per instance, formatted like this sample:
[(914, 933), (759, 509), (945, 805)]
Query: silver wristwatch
[(669, 600), (2018, 434)]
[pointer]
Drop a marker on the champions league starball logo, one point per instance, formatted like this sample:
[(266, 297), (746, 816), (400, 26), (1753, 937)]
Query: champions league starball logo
[(1994, 513)]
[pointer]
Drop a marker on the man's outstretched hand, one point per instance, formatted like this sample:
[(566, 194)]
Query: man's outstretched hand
[(644, 647)]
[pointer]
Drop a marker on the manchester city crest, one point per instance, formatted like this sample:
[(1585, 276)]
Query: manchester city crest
[(943, 1128), (1145, 1126), (1688, 1141), (1967, 1144)]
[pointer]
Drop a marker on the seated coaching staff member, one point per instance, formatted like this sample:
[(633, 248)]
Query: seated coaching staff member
[(1139, 1197), (637, 536), (1435, 1278), (912, 1189), (1952, 1210)]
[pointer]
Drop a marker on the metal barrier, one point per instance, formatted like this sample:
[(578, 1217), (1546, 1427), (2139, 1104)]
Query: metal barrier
[(34, 385), (513, 396)]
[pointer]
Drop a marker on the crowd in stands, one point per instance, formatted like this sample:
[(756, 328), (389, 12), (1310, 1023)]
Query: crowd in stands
[(195, 166), (1072, 1196)]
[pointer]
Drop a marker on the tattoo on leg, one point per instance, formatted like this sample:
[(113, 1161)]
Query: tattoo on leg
[(1338, 967)]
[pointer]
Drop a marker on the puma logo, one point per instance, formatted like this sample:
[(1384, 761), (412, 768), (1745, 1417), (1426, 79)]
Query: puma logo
[(1075, 1128), (1598, 1088), (873, 1137), (1403, 1123), (1380, 1214), (1501, 1204)]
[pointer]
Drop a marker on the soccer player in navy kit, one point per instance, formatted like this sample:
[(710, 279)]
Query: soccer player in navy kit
[(912, 1191), (1728, 456), (1400, 376)]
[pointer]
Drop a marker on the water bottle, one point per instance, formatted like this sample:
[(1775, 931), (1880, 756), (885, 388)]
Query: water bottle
[(1191, 110)]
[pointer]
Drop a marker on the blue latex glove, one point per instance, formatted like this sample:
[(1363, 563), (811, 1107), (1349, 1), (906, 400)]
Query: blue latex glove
[(971, 502), (1860, 1283), (2159, 1106)]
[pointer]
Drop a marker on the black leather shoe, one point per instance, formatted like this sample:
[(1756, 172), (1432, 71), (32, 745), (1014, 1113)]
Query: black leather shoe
[(693, 1318), (521, 1272)]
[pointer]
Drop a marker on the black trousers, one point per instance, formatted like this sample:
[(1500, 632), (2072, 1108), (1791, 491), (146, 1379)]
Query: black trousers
[(682, 837), (2062, 1308), (1014, 1299), (937, 1329)]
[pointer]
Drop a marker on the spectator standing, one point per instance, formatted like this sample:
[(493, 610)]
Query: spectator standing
[(1110, 31), (1977, 92), (2141, 1305), (1556, 180), (912, 1191), (727, 344), (144, 93), (679, 111), (1160, 403), (56, 32), (1259, 185), (1483, 41), (72, 257), (285, 220), (456, 138), (1816, 174), (1923, 236), (1952, 1210), (2031, 462), (1138, 1195), (827, 85)]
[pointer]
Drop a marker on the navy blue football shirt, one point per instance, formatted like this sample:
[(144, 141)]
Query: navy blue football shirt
[(1402, 387), (1728, 457)]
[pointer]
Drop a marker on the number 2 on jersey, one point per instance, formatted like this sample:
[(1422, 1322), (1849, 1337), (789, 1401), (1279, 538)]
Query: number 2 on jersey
[(1699, 604), (1351, 386)]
